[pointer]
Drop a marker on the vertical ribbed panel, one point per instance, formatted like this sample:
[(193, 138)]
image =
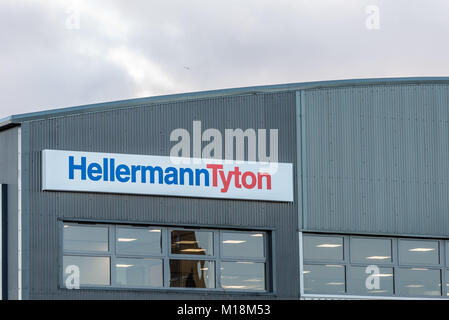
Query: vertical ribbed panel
[(146, 130), (377, 159)]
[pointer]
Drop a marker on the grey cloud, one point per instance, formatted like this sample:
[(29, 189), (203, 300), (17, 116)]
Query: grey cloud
[(199, 45)]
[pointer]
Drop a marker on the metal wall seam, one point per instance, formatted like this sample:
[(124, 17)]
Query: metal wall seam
[(299, 161), (19, 214), (25, 209), (303, 161)]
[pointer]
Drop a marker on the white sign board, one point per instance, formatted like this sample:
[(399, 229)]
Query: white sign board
[(170, 176)]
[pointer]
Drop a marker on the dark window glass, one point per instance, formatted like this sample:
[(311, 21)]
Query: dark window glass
[(323, 248), (419, 282), (372, 251), (243, 275), (418, 252), (243, 244), (139, 272), (192, 273), (370, 280), (191, 242), (85, 238), (139, 241), (325, 279), (92, 270)]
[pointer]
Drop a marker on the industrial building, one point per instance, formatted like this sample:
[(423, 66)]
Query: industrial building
[(333, 189)]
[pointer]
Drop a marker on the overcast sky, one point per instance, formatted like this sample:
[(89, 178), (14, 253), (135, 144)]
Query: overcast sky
[(57, 53)]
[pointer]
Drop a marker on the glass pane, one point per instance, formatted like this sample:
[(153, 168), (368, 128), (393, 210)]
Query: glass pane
[(139, 272), (191, 242), (447, 282), (328, 279), (371, 250), (371, 281), (419, 282), (243, 275), (92, 270), (85, 238), (138, 241), (447, 253), (418, 252), (323, 248), (243, 244), (192, 274)]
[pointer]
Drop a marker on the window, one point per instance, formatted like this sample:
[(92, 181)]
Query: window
[(243, 275), (359, 277), (243, 265), (371, 251), (418, 252), (92, 240), (140, 272), (447, 252), (92, 270), (191, 242), (192, 259), (192, 273), (86, 238), (139, 241), (419, 282), (374, 266), (329, 276), (124, 256), (323, 248), (238, 244), (447, 282), (324, 279)]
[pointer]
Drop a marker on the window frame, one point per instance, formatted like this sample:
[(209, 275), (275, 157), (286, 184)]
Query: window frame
[(349, 284), (265, 260), (166, 256), (96, 225), (443, 266), (345, 275), (390, 263), (328, 261), (397, 288), (439, 248), (117, 255), (134, 255), (76, 253), (177, 256)]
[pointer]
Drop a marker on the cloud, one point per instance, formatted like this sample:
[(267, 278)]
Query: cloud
[(129, 49), (148, 77)]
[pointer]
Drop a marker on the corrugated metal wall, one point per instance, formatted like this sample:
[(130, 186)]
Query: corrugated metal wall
[(376, 159), (146, 130)]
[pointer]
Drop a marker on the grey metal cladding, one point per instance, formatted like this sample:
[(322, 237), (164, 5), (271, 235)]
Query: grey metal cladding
[(377, 159), (146, 129), (20, 118)]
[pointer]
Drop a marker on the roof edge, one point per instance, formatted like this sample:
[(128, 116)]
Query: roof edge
[(7, 123), (101, 106)]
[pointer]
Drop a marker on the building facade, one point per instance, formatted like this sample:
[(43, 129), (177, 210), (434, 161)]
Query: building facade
[(358, 207)]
